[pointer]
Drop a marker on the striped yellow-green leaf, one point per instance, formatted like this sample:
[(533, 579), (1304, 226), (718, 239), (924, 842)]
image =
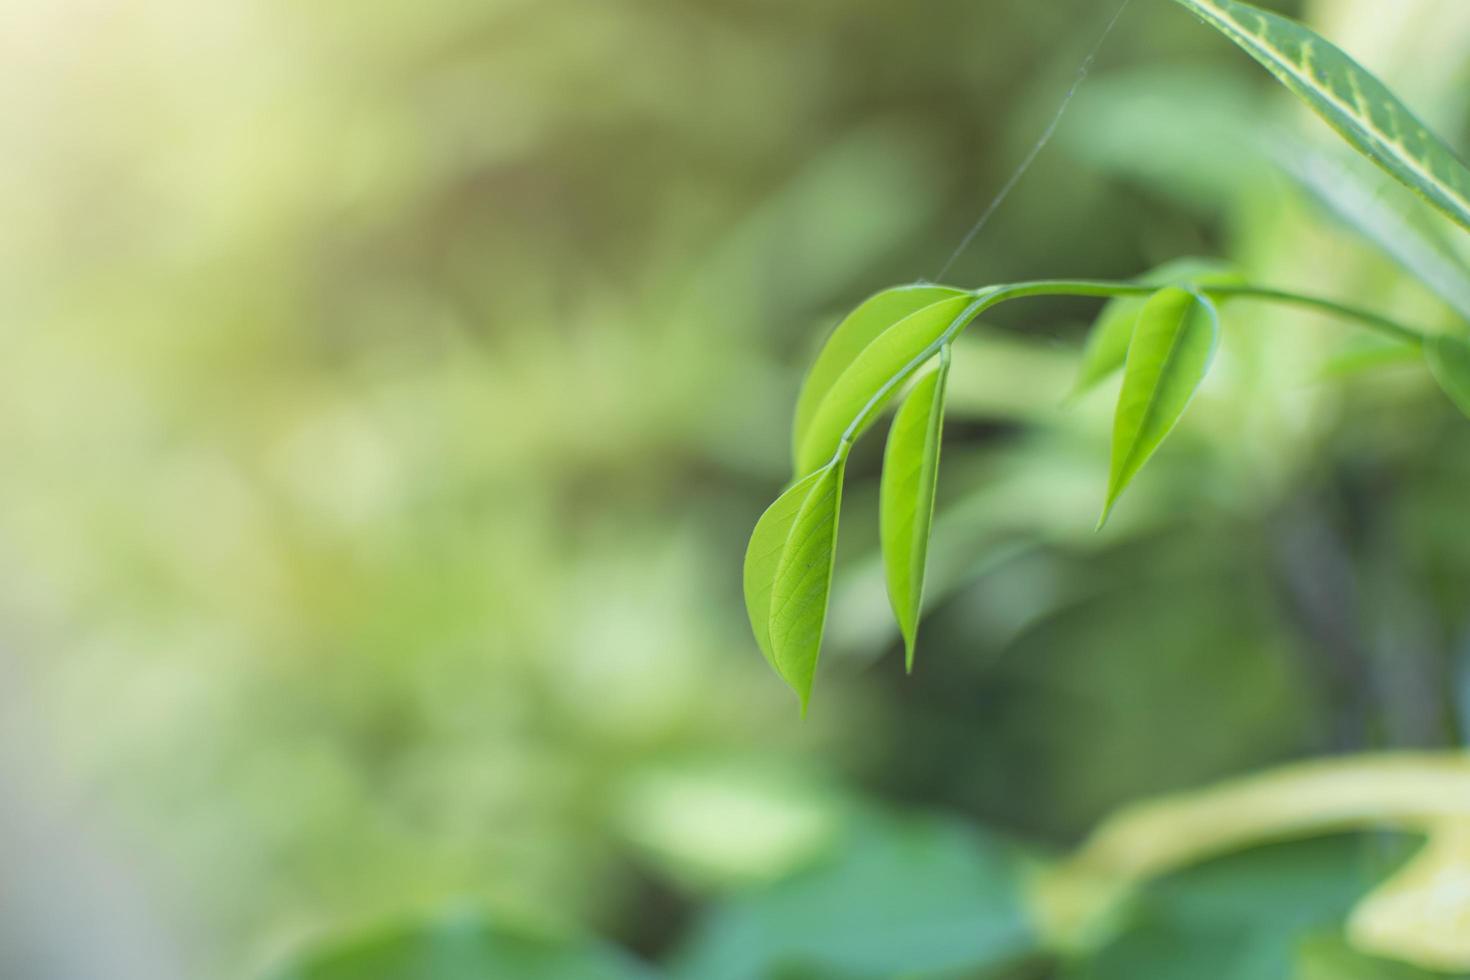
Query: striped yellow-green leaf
[(788, 575), (1449, 362), (861, 327), (1107, 343), (872, 377), (906, 498), (1352, 101), (1169, 355)]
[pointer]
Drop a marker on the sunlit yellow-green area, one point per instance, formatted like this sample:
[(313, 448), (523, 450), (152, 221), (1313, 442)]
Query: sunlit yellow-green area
[(387, 393)]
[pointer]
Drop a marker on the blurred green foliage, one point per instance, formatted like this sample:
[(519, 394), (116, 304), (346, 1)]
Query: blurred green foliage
[(387, 394)]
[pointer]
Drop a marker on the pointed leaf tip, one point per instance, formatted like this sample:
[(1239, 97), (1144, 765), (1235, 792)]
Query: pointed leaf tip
[(906, 498)]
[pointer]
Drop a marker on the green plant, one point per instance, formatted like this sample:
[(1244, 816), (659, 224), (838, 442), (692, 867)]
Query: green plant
[(1161, 330)]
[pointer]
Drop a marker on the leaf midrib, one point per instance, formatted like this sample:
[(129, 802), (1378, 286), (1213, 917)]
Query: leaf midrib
[(1180, 328)]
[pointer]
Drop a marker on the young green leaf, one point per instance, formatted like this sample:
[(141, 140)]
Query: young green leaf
[(872, 377), (906, 498), (1171, 351), (788, 575), (1449, 362), (1107, 343), (1361, 108), (861, 327)]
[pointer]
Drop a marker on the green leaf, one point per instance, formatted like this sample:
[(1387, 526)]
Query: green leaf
[(1449, 362), (1352, 101), (1107, 343), (906, 498), (463, 947), (1171, 351), (788, 575), (1239, 917), (901, 897), (861, 327), (872, 377)]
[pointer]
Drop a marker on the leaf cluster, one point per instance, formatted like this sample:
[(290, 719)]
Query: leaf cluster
[(1161, 331)]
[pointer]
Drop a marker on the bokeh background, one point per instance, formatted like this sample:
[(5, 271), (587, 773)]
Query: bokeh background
[(387, 392)]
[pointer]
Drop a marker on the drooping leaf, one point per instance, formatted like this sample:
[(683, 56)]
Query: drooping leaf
[(873, 376), (1352, 101), (464, 947), (788, 575), (763, 558), (860, 328), (1449, 362), (906, 498), (1107, 343), (1172, 347), (1422, 913)]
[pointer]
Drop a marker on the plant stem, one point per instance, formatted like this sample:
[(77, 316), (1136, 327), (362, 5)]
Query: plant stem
[(1103, 288), (994, 295), (1374, 321)]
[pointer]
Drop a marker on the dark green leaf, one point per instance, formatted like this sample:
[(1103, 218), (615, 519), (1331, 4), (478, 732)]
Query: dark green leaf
[(1449, 361), (899, 898), (1172, 347), (1352, 101), (861, 327), (788, 575), (1240, 917), (872, 377), (906, 508)]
